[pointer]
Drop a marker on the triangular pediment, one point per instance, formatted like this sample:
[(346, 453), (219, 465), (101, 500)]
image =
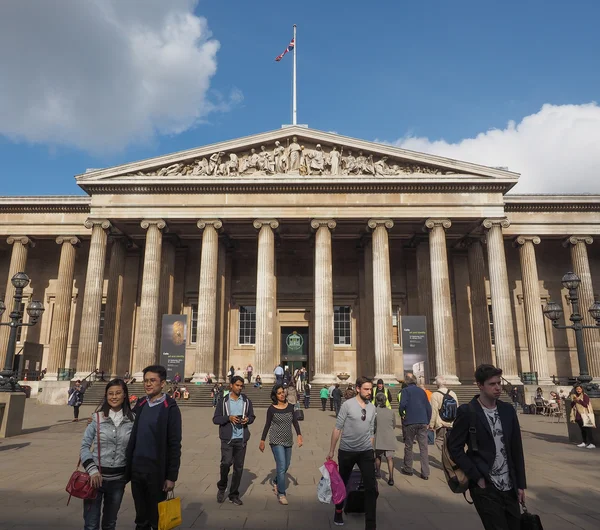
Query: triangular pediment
[(291, 152)]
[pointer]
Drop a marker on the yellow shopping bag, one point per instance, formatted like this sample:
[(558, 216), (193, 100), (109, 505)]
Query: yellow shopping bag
[(169, 513)]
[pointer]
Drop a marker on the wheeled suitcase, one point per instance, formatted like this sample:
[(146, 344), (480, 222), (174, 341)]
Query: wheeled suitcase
[(355, 493)]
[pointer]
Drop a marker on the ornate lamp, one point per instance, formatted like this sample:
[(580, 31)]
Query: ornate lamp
[(35, 310), (552, 311), (20, 280), (571, 281)]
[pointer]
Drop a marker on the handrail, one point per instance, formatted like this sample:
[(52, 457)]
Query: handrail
[(95, 371)]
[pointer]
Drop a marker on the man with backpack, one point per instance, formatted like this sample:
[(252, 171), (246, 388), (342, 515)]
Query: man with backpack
[(444, 406), (494, 462)]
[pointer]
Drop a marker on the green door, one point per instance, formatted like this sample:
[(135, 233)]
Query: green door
[(294, 347)]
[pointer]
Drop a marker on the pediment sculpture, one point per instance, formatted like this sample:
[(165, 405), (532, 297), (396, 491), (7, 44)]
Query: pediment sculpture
[(291, 159)]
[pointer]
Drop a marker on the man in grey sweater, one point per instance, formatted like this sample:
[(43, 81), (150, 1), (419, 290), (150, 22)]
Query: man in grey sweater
[(355, 425)]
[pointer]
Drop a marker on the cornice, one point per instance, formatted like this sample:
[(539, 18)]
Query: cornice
[(306, 185), (55, 203), (552, 203)]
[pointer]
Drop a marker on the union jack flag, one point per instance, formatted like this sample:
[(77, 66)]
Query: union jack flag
[(288, 49)]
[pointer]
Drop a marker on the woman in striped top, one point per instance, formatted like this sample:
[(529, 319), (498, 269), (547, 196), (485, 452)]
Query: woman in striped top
[(280, 418)]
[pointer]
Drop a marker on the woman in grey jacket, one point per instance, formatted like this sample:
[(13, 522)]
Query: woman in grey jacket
[(115, 420)]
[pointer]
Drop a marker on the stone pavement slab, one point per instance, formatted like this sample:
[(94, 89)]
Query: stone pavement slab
[(563, 480)]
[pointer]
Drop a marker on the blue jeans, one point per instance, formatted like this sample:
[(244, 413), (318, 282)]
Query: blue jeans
[(283, 457), (111, 492)]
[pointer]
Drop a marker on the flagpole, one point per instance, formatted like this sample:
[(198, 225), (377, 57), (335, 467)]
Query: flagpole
[(294, 110)]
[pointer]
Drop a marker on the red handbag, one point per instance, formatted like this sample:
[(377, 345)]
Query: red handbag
[(79, 484)]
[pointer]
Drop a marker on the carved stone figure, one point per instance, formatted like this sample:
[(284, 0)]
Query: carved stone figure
[(265, 162), (214, 163), (279, 158), (173, 169), (381, 167), (317, 160), (349, 163), (334, 161), (233, 165), (200, 167), (294, 152)]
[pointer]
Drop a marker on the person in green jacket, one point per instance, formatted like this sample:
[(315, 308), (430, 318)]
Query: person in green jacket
[(324, 395)]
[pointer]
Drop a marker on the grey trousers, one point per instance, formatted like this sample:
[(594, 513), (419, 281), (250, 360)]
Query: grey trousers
[(411, 433)]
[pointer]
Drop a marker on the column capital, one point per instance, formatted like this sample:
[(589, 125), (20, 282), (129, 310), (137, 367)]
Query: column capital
[(73, 240), (573, 240), (203, 223), (430, 224), (315, 224), (91, 222), (259, 223), (374, 223), (24, 240), (160, 223), (502, 222), (521, 240)]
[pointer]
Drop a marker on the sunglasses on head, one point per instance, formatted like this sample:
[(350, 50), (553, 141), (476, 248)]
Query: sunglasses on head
[(363, 414)]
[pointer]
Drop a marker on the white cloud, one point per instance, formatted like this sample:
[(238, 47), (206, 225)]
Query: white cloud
[(556, 150), (101, 74)]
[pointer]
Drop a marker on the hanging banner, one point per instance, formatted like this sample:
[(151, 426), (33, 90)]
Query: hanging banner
[(172, 345), (414, 342)]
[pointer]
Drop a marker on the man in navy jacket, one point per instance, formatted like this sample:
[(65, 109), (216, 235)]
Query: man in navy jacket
[(233, 414), (416, 412), (495, 466), (154, 449)]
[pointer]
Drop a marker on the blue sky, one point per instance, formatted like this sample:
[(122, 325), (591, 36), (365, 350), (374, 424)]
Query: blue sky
[(430, 75)]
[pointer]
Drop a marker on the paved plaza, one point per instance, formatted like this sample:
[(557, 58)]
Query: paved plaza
[(564, 481)]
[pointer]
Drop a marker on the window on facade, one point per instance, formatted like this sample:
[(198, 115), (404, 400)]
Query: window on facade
[(491, 318), (341, 325), (247, 329), (101, 328), (194, 326), (396, 324), (20, 329)]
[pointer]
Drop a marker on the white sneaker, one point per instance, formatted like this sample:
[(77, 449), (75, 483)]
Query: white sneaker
[(581, 445), (591, 446)]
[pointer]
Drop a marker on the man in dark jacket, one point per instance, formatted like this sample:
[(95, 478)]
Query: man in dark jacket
[(336, 395), (233, 414), (154, 449), (416, 412), (495, 467)]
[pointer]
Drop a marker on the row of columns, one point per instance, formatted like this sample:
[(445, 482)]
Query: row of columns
[(440, 303)]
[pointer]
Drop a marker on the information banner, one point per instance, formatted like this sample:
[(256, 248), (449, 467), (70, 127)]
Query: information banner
[(414, 342), (172, 345)]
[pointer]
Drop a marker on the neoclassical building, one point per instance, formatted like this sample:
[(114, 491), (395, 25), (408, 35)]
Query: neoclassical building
[(307, 248)]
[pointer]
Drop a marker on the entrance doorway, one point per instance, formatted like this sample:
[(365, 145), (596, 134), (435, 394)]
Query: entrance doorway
[(294, 348)]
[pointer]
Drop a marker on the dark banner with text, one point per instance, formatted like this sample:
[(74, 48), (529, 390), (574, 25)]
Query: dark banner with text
[(172, 345), (414, 344)]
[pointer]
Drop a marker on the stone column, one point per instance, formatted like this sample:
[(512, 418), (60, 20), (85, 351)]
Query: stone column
[(506, 353), (147, 341), (425, 306), (581, 267), (207, 299), (266, 303), (87, 357), (382, 300), (18, 261), (479, 306), (167, 276), (534, 318), (62, 306), (114, 306), (323, 316), (443, 329)]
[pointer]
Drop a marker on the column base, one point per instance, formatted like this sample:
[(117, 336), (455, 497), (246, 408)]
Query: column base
[(268, 379), (53, 392), (199, 377), (387, 379), (138, 376), (451, 380), (514, 379), (324, 379), (50, 377), (80, 376), (545, 381)]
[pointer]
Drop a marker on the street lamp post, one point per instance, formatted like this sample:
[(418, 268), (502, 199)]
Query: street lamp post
[(553, 312), (35, 309)]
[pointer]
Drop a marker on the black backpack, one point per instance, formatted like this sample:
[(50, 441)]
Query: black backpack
[(448, 408)]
